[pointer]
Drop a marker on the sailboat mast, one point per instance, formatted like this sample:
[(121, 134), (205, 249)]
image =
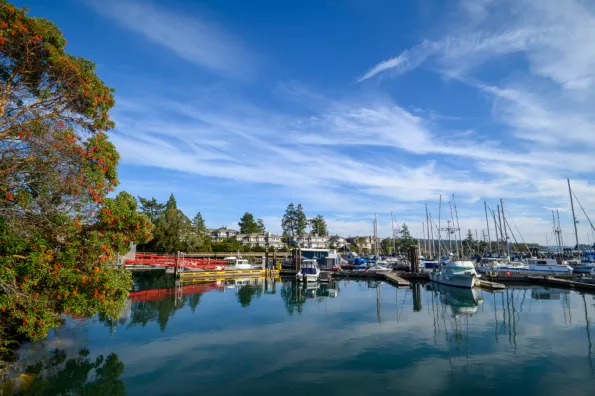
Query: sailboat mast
[(392, 225), (428, 231), (485, 206), (573, 216), (439, 223), (560, 232), (453, 223), (505, 228), (500, 227), (432, 232), (495, 228), (458, 225)]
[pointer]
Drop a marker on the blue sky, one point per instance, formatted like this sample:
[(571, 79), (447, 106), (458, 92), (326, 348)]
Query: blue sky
[(350, 107)]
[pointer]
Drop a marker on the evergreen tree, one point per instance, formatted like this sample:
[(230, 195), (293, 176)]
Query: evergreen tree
[(247, 224), (469, 242), (199, 239), (288, 223), (261, 227), (318, 226), (301, 220), (406, 240), (151, 208), (172, 228)]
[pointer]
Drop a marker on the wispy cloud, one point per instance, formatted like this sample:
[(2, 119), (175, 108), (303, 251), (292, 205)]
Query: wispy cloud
[(555, 38), (198, 41)]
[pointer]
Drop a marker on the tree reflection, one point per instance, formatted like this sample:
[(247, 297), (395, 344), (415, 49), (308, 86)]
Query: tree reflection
[(293, 297), (80, 375), (247, 292)]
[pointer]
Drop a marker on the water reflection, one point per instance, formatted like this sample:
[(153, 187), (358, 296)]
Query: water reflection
[(461, 301), (58, 374), (347, 337)]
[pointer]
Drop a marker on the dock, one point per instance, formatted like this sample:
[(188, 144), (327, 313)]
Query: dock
[(395, 280), (558, 282), (199, 275), (484, 284)]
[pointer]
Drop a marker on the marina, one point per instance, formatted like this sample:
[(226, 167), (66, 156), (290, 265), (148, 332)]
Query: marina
[(349, 336)]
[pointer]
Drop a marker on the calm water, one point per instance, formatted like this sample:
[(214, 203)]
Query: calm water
[(350, 338)]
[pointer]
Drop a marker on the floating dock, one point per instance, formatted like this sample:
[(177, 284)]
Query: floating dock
[(551, 281), (395, 280), (228, 274), (484, 284)]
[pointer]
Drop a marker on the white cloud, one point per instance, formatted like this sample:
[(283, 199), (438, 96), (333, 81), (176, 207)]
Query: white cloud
[(199, 41)]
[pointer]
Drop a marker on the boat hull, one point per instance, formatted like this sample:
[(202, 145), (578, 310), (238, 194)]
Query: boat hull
[(463, 281)]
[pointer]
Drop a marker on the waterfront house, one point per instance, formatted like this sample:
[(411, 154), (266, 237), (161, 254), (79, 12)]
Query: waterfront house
[(311, 241), (222, 233), (337, 242), (364, 244), (265, 239)]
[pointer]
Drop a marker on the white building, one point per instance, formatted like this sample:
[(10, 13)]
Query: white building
[(362, 243), (260, 239), (222, 233), (311, 241), (337, 242)]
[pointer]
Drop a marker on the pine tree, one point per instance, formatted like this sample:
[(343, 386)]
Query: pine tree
[(318, 226), (261, 226), (288, 223), (301, 220), (172, 228), (406, 240), (151, 208), (247, 224)]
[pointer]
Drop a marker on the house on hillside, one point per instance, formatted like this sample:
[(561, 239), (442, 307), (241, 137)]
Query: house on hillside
[(310, 241), (264, 240), (222, 233)]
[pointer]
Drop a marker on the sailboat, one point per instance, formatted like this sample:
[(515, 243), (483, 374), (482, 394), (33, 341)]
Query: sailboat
[(582, 265), (457, 273)]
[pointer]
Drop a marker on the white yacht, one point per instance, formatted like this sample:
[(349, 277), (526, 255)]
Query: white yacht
[(456, 273), (551, 266), (309, 271)]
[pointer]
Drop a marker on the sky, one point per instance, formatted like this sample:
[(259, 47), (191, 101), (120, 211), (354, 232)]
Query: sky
[(349, 107)]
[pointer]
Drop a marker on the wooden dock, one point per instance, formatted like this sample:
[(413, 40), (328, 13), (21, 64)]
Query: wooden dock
[(558, 282), (395, 280), (228, 274), (484, 284)]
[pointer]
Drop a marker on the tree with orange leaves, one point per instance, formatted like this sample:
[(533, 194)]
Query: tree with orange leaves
[(59, 232)]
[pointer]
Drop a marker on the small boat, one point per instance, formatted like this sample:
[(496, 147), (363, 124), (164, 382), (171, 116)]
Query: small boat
[(360, 264), (455, 273), (427, 265), (541, 265), (309, 271), (584, 266), (235, 263), (378, 267)]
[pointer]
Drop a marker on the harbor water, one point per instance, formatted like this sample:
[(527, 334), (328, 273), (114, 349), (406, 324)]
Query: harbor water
[(258, 337)]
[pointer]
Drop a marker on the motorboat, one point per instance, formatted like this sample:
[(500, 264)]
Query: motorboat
[(360, 264), (427, 265), (457, 273), (583, 266), (235, 263), (542, 265), (309, 271), (378, 267)]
